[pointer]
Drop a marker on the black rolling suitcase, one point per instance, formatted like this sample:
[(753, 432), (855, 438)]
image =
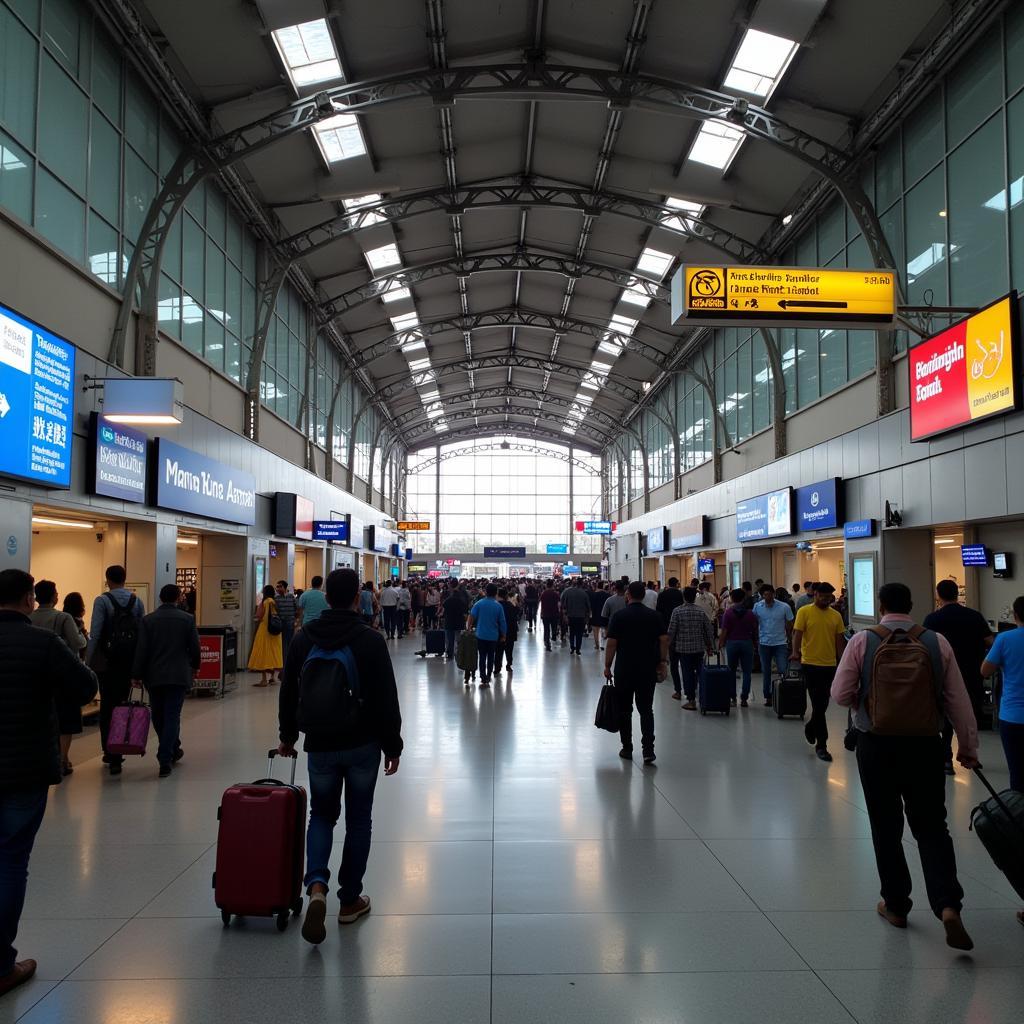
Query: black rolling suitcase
[(999, 822), (716, 688), (433, 640), (789, 695)]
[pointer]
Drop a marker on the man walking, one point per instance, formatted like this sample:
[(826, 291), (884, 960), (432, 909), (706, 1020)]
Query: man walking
[(312, 603), (38, 672), (615, 603), (807, 597), (576, 605), (669, 600), (900, 679), (531, 598), (113, 633), (638, 648), (340, 670), (454, 613), (403, 609), (491, 630), (707, 602), (818, 644), (969, 636), (286, 610), (512, 615), (774, 625), (598, 620), (166, 659), (389, 609), (550, 613), (690, 637)]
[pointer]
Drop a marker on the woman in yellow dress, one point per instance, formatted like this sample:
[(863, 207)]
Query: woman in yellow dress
[(266, 656)]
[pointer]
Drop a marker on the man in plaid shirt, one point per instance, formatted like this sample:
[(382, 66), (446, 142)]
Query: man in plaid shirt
[(690, 636)]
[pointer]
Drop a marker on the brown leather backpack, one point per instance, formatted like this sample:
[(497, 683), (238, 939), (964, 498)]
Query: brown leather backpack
[(904, 682)]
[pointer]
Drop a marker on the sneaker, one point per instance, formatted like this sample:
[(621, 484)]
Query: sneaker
[(823, 754), (485, 684), (767, 702), (354, 911), (313, 928), (743, 703), (626, 753), (649, 758), (20, 973), (689, 706), (733, 702), (165, 770), (677, 696)]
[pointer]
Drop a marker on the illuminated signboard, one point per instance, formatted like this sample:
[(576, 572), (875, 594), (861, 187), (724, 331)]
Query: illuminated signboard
[(967, 372), (418, 568), (802, 296), (412, 525), (767, 515), (331, 529), (595, 527)]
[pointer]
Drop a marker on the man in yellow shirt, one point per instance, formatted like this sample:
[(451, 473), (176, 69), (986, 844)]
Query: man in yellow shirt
[(818, 643)]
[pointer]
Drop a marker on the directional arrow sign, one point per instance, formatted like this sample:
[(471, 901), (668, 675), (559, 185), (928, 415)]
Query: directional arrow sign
[(755, 296), (5, 406)]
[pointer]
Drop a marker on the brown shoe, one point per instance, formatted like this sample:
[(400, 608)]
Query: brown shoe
[(894, 919), (689, 706), (956, 933), (354, 911), (677, 696), (23, 971)]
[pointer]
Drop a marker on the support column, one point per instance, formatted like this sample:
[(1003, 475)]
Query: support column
[(437, 498), (572, 532)]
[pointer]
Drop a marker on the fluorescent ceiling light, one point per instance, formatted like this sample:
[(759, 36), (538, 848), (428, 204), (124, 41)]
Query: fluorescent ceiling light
[(308, 52), (652, 261), (340, 138), (636, 297), (760, 63), (143, 420), (188, 542), (716, 144), (404, 321), (358, 202), (395, 292), (383, 256), (76, 524)]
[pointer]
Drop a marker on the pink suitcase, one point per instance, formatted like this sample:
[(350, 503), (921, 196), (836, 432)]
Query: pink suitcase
[(129, 727)]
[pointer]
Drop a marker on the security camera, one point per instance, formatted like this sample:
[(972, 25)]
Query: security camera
[(737, 113), (324, 104)]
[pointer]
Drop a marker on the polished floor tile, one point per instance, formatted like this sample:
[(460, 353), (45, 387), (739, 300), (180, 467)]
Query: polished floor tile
[(520, 871)]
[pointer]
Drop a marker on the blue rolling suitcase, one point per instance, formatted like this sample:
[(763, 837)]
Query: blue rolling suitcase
[(716, 688)]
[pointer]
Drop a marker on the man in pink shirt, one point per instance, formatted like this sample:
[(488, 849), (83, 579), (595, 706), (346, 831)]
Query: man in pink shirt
[(904, 773)]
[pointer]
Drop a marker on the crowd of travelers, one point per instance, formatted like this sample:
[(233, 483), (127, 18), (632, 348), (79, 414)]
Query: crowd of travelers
[(908, 689)]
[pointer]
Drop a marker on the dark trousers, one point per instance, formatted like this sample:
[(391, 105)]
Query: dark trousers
[(530, 614), (403, 621), (740, 654), (21, 814), (577, 627), (287, 633), (114, 687), (389, 616), (691, 665), (332, 773), (451, 637), (165, 702), (429, 616), (632, 690), (550, 631), (818, 679), (1012, 735), (486, 650), (505, 651), (903, 775)]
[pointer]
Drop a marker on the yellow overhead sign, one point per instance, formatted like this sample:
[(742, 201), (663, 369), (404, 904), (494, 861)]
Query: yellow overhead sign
[(801, 296), (410, 526)]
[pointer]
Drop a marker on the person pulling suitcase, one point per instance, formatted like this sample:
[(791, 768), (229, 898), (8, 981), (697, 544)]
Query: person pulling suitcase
[(339, 691)]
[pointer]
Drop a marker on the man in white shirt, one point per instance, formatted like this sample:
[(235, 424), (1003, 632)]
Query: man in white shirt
[(389, 609), (403, 608), (706, 601), (651, 595)]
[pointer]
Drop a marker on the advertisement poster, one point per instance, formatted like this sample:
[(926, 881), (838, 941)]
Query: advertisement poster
[(864, 587), (230, 595), (189, 482), (211, 662), (767, 515)]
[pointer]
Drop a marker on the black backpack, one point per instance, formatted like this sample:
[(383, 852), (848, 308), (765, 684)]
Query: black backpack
[(330, 702), (121, 634)]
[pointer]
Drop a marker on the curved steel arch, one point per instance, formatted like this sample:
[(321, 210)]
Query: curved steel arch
[(549, 194), (513, 316), (498, 449), (513, 260), (472, 415), (530, 81)]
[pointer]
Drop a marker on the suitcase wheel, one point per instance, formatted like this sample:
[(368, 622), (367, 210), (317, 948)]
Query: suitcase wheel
[(225, 917), (282, 921)]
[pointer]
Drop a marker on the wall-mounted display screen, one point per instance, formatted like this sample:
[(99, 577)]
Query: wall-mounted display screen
[(705, 566), (974, 554), (767, 515), (863, 572)]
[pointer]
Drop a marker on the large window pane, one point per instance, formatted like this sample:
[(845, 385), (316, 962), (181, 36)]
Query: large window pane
[(66, 34), (63, 125), (832, 359), (106, 77), (888, 173), (861, 346), (977, 218), (1015, 192), (60, 216), (1014, 49), (169, 307), (139, 192), (974, 88), (193, 253), (18, 55), (103, 254), (927, 263), (923, 138), (105, 168), (15, 179), (808, 386), (831, 232), (142, 121)]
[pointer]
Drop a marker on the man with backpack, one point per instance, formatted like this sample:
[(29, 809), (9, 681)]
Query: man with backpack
[(339, 690), (902, 681), (116, 620)]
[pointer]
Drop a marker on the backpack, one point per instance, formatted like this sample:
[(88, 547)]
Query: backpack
[(120, 634), (329, 693), (901, 682)]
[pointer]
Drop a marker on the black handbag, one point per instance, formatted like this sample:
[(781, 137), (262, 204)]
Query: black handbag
[(275, 624), (607, 716)]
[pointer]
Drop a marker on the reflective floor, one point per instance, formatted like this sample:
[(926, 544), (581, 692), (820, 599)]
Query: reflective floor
[(521, 872)]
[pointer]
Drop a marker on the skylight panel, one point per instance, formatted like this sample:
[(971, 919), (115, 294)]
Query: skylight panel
[(622, 324), (435, 413), (339, 138), (414, 343), (383, 256), (716, 144), (395, 293), (610, 347), (416, 365), (569, 429), (431, 396), (404, 321), (590, 384), (636, 298), (440, 426), (687, 206), (358, 202), (583, 399), (308, 52), (760, 63), (654, 262)]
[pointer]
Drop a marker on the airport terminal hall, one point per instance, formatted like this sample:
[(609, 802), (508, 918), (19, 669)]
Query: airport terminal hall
[(509, 513)]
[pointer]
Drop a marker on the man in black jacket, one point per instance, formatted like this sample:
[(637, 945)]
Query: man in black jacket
[(166, 659), (37, 671), (344, 756)]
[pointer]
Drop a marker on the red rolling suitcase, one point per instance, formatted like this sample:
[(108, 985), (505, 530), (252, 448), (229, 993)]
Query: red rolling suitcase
[(261, 849)]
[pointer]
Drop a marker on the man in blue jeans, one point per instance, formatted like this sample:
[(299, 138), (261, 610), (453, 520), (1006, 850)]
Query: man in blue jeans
[(344, 753), (488, 617), (774, 626), (37, 673)]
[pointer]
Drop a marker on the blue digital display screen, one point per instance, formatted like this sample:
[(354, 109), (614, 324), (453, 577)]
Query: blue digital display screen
[(705, 566), (974, 554), (331, 529), (37, 402)]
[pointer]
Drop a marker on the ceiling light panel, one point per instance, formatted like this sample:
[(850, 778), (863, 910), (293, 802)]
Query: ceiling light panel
[(716, 145), (403, 321), (760, 63), (384, 256), (358, 202), (636, 298), (395, 293), (308, 53), (340, 138), (623, 324), (687, 206), (654, 262)]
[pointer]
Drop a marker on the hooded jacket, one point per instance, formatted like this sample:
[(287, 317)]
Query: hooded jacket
[(381, 719)]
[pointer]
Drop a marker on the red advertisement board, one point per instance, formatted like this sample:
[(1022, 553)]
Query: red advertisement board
[(966, 373), (304, 513), (211, 654)]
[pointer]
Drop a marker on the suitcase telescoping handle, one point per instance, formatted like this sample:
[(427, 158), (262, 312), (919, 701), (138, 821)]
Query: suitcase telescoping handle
[(995, 796), (271, 754)]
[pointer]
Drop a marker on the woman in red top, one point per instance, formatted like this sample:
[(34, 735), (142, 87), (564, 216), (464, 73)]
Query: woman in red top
[(737, 638)]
